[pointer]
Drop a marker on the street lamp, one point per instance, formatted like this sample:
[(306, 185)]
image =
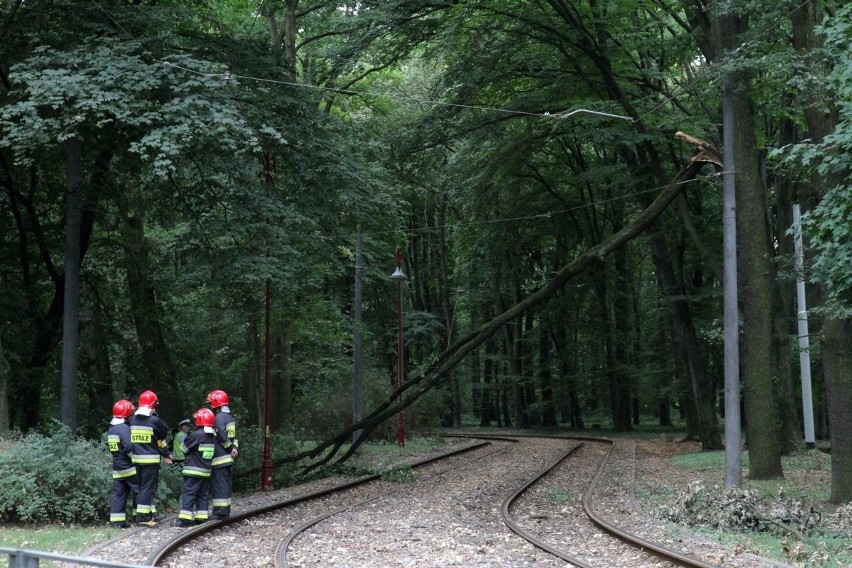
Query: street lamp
[(400, 277)]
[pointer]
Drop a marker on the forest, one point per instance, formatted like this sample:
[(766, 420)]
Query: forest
[(200, 194)]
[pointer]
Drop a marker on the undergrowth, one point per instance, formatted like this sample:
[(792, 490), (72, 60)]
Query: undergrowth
[(787, 519)]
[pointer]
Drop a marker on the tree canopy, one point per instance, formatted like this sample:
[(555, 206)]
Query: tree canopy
[(550, 168)]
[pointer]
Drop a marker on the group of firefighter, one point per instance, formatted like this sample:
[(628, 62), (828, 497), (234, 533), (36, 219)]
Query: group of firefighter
[(137, 439)]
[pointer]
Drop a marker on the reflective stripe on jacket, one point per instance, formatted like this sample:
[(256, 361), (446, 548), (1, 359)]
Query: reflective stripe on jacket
[(148, 437), (118, 441), (199, 447), (226, 436)]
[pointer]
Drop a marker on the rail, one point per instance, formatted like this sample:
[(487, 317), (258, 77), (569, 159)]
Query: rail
[(24, 558)]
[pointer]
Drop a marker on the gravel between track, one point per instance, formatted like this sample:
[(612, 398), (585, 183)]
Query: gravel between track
[(451, 517)]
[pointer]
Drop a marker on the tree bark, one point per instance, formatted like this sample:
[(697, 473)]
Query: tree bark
[(252, 390), (447, 306), (4, 381), (71, 304), (621, 355), (545, 380), (282, 379), (837, 373), (785, 312), (160, 372), (755, 272)]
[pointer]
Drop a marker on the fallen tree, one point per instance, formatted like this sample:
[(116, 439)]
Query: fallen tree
[(421, 383)]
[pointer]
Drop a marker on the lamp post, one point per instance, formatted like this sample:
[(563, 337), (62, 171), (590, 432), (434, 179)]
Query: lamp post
[(268, 163), (400, 277), (266, 465)]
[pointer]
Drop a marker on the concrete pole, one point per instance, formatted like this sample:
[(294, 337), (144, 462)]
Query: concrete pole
[(733, 458), (804, 343)]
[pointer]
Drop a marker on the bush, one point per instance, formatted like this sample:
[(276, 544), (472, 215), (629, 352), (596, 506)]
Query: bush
[(49, 479), (57, 479)]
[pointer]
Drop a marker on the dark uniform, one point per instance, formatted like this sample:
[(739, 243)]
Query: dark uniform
[(220, 480), (148, 436), (125, 482), (198, 448)]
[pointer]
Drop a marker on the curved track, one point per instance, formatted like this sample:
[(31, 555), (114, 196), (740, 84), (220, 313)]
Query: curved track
[(188, 535), (648, 547), (281, 552)]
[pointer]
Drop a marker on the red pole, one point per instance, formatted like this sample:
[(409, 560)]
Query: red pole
[(266, 467), (400, 367)]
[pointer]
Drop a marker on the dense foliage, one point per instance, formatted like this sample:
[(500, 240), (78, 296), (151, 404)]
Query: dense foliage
[(203, 163), (47, 479)]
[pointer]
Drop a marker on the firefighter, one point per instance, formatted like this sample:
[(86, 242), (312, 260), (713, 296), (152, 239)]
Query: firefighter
[(148, 436), (198, 447), (125, 482), (223, 458), (183, 429)]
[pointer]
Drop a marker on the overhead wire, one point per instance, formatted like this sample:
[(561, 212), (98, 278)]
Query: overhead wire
[(547, 215), (228, 75), (702, 75)]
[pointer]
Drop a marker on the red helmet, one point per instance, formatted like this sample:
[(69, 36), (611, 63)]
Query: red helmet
[(204, 417), (122, 409), (217, 398), (148, 398)]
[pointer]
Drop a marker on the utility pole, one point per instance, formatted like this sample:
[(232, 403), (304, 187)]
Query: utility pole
[(804, 341)]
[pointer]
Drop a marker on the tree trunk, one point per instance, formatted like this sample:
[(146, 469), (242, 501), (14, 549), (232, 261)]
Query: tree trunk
[(548, 412), (785, 314), (71, 304), (599, 276), (447, 306), (160, 372), (570, 407), (515, 350), (836, 335), (4, 382), (252, 391), (837, 373), (282, 380), (621, 355), (487, 412), (528, 367), (755, 273), (290, 37), (691, 360)]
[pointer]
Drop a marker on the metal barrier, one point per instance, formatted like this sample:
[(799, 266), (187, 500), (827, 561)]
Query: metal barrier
[(21, 558)]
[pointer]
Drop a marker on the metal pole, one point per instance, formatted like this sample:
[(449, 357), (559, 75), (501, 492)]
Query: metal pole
[(266, 467), (357, 403), (733, 458), (399, 276), (804, 340), (268, 162)]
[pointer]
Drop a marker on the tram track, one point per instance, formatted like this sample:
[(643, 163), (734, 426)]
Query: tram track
[(338, 513), (281, 551)]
